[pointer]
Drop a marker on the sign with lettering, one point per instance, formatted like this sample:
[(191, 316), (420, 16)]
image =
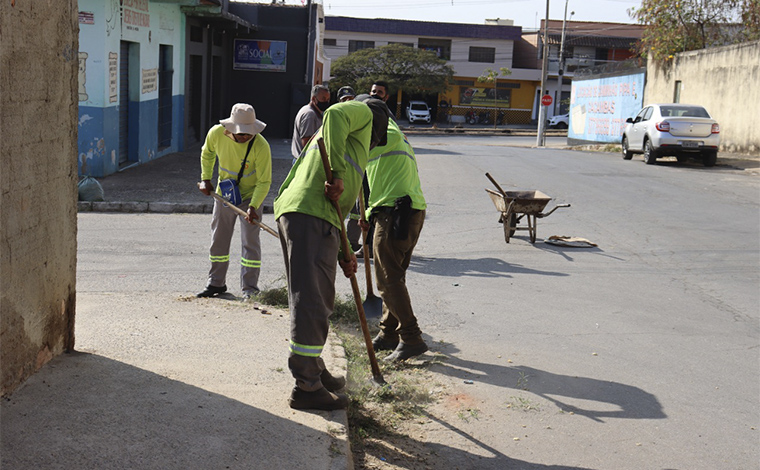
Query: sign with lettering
[(600, 106), (135, 14), (149, 80), (113, 82), (260, 55)]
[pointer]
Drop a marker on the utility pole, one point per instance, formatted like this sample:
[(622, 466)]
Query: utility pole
[(541, 134), (561, 60)]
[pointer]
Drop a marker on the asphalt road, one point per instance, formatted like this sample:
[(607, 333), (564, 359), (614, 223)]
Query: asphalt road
[(641, 353)]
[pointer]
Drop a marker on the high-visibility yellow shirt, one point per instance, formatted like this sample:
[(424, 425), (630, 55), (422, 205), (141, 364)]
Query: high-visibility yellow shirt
[(346, 130), (257, 174), (392, 173)]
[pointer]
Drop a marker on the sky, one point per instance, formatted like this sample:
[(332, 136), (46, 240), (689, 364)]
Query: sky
[(525, 13)]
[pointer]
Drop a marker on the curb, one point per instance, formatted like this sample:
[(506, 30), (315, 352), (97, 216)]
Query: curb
[(151, 207)]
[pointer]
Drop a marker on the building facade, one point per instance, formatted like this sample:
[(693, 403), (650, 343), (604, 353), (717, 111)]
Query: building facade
[(469, 49), (147, 73)]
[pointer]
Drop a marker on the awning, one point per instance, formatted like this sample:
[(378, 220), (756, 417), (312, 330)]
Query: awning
[(213, 12)]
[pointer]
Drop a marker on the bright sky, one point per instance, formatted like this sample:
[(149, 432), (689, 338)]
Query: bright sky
[(525, 13)]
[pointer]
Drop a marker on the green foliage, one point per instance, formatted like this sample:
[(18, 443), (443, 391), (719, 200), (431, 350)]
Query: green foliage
[(490, 76), (414, 70), (674, 26)]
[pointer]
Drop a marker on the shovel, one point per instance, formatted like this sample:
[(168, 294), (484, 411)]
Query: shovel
[(243, 213), (376, 374), (373, 305)]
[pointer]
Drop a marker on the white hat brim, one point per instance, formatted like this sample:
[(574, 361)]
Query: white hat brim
[(253, 129)]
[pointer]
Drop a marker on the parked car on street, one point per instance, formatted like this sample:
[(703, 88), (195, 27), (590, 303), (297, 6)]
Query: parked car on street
[(418, 111), (680, 130), (560, 121)]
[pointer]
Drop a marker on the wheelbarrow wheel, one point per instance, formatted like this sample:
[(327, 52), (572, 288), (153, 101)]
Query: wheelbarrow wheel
[(510, 224), (532, 228)]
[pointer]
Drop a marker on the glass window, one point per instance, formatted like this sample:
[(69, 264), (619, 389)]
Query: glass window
[(354, 46), (441, 47), (482, 54), (330, 42)]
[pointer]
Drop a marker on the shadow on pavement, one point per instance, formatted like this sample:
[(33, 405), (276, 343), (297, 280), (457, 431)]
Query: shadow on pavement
[(482, 267), (88, 411), (617, 400)]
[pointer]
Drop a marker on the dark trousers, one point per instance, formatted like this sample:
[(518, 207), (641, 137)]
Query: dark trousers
[(392, 258)]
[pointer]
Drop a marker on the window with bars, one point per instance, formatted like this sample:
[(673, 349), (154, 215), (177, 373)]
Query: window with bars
[(482, 54)]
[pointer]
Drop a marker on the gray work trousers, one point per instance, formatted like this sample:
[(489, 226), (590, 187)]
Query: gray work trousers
[(310, 247), (222, 228)]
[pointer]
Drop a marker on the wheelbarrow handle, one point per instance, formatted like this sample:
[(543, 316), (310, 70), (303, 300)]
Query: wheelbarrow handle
[(553, 209), (504, 194)]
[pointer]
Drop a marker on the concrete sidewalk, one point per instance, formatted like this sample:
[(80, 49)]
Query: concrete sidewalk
[(166, 382)]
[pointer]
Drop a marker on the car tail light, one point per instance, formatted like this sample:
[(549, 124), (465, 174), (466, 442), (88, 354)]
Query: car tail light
[(663, 126), (715, 128)]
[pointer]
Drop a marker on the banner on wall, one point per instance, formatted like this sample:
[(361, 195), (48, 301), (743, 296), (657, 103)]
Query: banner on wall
[(600, 106), (473, 96), (259, 55)]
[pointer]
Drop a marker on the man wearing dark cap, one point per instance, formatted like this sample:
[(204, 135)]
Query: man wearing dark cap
[(309, 230), (346, 93)]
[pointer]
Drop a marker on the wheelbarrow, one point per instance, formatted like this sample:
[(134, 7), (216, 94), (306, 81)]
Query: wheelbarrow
[(515, 206)]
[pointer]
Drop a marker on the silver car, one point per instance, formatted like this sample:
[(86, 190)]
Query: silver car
[(680, 130)]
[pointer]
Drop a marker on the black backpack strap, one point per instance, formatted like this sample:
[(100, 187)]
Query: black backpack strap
[(242, 167)]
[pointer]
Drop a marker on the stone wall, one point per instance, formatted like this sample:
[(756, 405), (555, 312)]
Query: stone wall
[(725, 81), (38, 178)]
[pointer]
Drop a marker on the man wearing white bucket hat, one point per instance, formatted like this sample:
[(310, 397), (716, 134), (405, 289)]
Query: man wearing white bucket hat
[(245, 174)]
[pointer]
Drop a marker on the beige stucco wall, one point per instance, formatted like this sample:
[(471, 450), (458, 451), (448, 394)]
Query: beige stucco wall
[(38, 176), (725, 81)]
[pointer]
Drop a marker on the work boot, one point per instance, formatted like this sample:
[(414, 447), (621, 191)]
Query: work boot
[(332, 383), (250, 295), (321, 399), (406, 351), (381, 342), (212, 291)]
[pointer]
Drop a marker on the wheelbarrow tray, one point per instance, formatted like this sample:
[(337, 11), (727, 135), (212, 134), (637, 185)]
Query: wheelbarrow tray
[(523, 202)]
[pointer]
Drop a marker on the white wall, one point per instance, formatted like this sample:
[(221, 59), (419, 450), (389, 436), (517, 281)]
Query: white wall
[(725, 81)]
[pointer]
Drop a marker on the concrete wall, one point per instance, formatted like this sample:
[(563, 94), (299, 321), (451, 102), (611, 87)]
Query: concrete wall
[(725, 81), (38, 176)]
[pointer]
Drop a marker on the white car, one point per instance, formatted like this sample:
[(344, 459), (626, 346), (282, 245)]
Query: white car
[(680, 130), (418, 111), (560, 121)]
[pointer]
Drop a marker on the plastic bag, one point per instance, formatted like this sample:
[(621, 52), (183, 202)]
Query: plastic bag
[(90, 190)]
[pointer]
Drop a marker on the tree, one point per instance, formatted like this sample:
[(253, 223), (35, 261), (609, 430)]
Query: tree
[(414, 70), (683, 25), (492, 76)]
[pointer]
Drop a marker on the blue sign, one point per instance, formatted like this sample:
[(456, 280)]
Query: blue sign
[(600, 106), (256, 54)]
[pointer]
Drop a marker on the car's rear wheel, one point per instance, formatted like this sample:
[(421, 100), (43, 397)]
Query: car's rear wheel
[(627, 154), (650, 155), (710, 157)]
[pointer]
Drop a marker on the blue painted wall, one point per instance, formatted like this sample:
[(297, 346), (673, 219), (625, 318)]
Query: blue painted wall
[(101, 31)]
